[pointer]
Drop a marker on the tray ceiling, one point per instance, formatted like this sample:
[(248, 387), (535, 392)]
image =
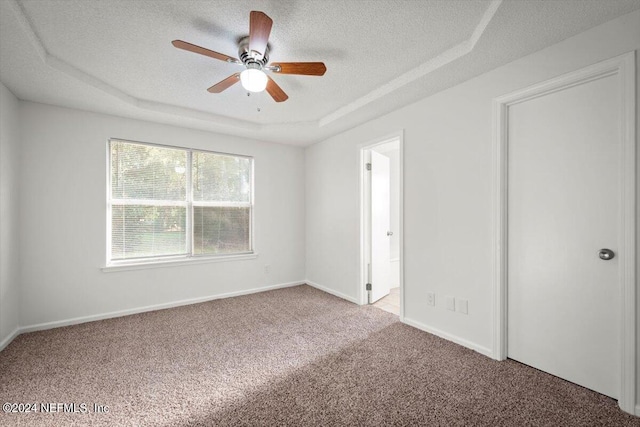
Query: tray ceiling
[(116, 57)]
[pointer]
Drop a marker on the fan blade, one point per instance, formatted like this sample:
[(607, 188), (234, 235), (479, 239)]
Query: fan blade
[(303, 68), (225, 84), (259, 30), (202, 51), (275, 91)]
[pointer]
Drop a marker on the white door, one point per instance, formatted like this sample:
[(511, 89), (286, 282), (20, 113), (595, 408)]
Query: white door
[(380, 226), (563, 208)]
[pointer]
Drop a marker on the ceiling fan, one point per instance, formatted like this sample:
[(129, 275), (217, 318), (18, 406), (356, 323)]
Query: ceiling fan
[(253, 51)]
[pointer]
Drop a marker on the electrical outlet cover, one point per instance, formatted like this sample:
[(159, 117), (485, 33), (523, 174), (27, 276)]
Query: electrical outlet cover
[(431, 298), (463, 306), (450, 303)]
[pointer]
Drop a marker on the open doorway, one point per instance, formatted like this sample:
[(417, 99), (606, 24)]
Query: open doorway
[(381, 225)]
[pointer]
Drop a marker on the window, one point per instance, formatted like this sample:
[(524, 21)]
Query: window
[(169, 202)]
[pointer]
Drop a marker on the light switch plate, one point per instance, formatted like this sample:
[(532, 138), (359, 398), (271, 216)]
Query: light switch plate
[(450, 303), (463, 306)]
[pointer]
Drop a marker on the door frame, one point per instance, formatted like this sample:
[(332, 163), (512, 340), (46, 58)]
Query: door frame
[(624, 67), (362, 148)]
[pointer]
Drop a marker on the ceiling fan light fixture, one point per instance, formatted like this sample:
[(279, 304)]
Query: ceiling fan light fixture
[(253, 80), (253, 51)]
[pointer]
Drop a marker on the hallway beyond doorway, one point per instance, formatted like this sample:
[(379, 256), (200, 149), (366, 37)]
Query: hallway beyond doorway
[(391, 302)]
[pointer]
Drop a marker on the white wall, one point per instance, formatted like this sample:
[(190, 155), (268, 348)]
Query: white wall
[(63, 218), (448, 187), (9, 160)]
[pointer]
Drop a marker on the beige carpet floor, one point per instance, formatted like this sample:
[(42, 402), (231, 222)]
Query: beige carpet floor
[(291, 357)]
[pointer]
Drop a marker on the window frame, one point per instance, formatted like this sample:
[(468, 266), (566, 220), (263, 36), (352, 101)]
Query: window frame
[(189, 257)]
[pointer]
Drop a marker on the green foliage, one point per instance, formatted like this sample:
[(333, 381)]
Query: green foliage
[(148, 173), (139, 231), (218, 177), (218, 230)]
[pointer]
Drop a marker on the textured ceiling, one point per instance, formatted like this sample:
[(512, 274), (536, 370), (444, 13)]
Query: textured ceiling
[(116, 57)]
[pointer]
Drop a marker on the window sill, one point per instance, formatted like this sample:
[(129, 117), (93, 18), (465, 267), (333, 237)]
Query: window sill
[(175, 262)]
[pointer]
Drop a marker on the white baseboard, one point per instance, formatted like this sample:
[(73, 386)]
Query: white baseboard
[(120, 313), (449, 337), (332, 292), (5, 342), (637, 410)]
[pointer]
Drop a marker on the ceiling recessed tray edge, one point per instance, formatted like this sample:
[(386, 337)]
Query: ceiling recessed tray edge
[(420, 71)]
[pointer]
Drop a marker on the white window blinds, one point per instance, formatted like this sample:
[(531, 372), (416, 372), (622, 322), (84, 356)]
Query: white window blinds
[(221, 203), (174, 202)]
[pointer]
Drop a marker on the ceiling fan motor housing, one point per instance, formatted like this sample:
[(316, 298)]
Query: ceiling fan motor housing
[(249, 57)]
